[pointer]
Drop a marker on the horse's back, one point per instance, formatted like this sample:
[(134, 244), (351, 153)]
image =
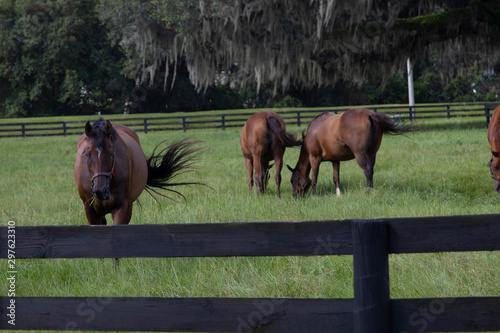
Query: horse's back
[(257, 123), (321, 127), (127, 133), (256, 135), (340, 137), (494, 131), (134, 155), (356, 119)]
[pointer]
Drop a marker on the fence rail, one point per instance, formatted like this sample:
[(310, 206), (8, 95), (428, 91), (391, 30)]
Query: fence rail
[(369, 241), (223, 121)]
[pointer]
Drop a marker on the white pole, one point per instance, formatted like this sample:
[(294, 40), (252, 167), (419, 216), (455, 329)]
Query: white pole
[(411, 94)]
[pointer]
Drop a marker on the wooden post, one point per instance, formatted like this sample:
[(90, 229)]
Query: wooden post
[(223, 125), (145, 125), (372, 307), (184, 124), (64, 128), (298, 118), (487, 114), (23, 130)]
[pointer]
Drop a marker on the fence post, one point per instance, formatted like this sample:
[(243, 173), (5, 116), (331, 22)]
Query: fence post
[(487, 114), (184, 124), (23, 130), (412, 113), (372, 304), (298, 118), (223, 122), (145, 125), (64, 128), (448, 111)]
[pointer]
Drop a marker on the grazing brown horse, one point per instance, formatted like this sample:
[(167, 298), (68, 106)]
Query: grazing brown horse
[(356, 133), (494, 139), (111, 170), (264, 139)]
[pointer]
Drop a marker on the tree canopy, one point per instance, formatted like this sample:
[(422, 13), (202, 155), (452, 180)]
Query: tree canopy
[(79, 57), (301, 43), (55, 59)]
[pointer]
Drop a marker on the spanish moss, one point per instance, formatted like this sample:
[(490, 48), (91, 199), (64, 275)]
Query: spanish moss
[(306, 43)]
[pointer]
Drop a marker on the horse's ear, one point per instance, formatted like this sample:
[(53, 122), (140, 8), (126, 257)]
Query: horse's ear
[(108, 129), (88, 128), (290, 168)]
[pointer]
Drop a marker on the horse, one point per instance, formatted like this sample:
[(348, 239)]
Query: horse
[(264, 139), (494, 140), (111, 170), (354, 134)]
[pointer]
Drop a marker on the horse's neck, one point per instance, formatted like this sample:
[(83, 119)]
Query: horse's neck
[(303, 166)]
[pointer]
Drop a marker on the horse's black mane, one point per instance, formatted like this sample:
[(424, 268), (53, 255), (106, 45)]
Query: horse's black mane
[(98, 133)]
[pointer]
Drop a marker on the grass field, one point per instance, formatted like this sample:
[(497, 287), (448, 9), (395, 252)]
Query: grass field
[(438, 170)]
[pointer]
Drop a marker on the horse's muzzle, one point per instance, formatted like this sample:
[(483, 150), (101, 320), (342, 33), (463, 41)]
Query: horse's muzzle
[(100, 188), (102, 193), (301, 192)]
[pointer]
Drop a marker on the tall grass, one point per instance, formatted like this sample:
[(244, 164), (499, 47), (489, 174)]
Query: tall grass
[(439, 170)]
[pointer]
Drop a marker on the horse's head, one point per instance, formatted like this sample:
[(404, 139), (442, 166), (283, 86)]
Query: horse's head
[(300, 183), (99, 153), (495, 169)]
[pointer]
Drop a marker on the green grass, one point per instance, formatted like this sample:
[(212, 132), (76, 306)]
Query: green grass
[(438, 170)]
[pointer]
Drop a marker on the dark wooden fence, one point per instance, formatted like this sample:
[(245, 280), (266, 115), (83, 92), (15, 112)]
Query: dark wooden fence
[(369, 241), (223, 121)]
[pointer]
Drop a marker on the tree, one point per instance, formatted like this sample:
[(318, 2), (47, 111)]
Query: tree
[(55, 59), (301, 43)]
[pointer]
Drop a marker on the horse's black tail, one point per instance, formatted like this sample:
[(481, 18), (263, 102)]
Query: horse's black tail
[(388, 126), (169, 162), (288, 140)]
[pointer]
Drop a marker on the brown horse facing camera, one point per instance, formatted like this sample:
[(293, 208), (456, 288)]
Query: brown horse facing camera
[(264, 139), (494, 139), (354, 134), (111, 170)]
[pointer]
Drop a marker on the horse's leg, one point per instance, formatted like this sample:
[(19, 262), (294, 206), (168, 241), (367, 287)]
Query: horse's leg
[(279, 165), (315, 161), (249, 165), (259, 173), (265, 172), (123, 214), (92, 216), (336, 176), (366, 162)]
